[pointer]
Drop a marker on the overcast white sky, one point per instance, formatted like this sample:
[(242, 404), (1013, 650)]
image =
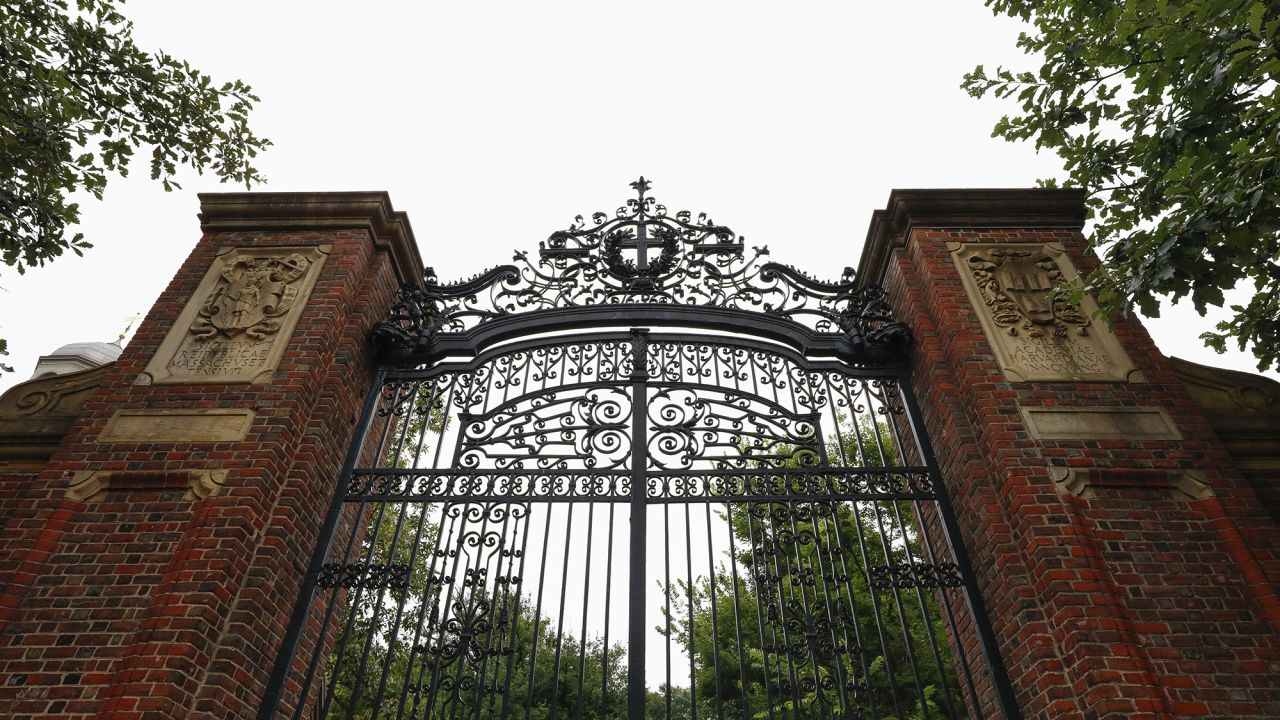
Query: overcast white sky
[(493, 124)]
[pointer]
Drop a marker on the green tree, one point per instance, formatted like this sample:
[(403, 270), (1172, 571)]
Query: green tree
[(77, 98), (655, 707), (1166, 113), (807, 562), (450, 675)]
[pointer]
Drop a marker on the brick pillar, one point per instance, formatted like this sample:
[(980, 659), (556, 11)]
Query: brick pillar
[(149, 569), (1128, 569)]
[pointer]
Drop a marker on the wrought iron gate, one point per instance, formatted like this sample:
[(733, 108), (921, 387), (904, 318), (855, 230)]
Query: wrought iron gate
[(686, 484)]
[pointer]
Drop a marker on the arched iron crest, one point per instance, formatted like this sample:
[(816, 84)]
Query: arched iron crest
[(680, 261)]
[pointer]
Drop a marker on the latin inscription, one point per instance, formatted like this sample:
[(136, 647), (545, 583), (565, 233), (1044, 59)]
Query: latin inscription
[(221, 358), (1049, 354)]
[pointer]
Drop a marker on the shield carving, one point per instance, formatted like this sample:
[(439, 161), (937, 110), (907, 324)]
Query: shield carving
[(252, 293), (1017, 285), (1028, 285)]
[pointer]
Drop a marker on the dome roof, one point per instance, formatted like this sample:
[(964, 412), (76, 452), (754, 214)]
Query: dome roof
[(108, 352), (77, 356)]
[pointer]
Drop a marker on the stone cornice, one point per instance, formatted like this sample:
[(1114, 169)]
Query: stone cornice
[(972, 208), (371, 211)]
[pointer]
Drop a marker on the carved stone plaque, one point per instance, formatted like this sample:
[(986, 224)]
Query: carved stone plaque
[(178, 425), (1036, 336), (236, 326), (1088, 423)]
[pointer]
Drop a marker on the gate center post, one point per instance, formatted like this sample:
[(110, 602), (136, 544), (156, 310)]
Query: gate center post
[(639, 524)]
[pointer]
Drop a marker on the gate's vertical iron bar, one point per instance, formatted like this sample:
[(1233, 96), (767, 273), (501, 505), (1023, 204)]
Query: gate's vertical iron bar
[(886, 539), (326, 693), (733, 565), (688, 556), (275, 683), (851, 699), (775, 549), (537, 611), (932, 555), (761, 547), (586, 601), (426, 605), (380, 451), (428, 609), (519, 595), (803, 566), (866, 560), (920, 596), (564, 584), (786, 595), (371, 537), (639, 521), (832, 608), (844, 549), (986, 636), (608, 573), (666, 588), (715, 626), (737, 617), (477, 575), (498, 606), (413, 554), (608, 602), (756, 559)]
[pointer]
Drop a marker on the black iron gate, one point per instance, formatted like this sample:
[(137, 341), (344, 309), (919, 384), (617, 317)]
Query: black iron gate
[(688, 483)]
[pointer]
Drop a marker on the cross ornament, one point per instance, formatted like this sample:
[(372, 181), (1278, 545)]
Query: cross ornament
[(641, 242)]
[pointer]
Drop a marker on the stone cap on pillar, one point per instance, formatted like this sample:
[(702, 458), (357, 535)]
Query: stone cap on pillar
[(371, 211), (972, 208)]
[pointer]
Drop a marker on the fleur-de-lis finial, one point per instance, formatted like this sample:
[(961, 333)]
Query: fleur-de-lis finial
[(641, 186)]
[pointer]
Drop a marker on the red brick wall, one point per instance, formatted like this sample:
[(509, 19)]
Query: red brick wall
[(1130, 604), (144, 604)]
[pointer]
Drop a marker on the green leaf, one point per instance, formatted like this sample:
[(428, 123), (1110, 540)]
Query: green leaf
[(87, 99), (1166, 114)]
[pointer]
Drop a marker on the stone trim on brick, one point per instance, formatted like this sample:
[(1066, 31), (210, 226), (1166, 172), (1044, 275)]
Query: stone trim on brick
[(1097, 423), (1085, 482), (975, 208), (93, 485), (264, 349), (178, 425), (280, 211), (1086, 351)]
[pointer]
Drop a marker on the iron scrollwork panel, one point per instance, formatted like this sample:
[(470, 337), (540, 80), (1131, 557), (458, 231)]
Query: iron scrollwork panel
[(459, 664), (574, 427), (692, 426)]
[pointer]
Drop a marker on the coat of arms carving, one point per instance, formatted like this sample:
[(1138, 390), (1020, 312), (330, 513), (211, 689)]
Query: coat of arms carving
[(1018, 286), (251, 296)]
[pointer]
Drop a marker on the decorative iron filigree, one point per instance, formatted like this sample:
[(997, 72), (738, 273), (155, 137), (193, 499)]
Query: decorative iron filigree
[(492, 485), (694, 261), (690, 425), (809, 630), (470, 608), (364, 575), (909, 575), (845, 484), (571, 427)]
